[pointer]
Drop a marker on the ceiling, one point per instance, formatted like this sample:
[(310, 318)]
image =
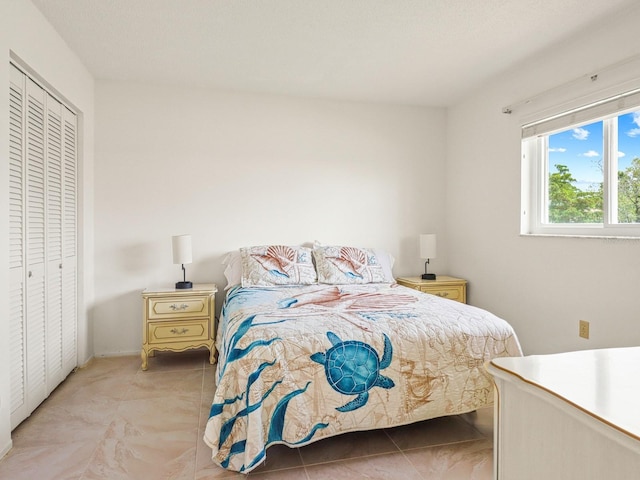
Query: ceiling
[(418, 52)]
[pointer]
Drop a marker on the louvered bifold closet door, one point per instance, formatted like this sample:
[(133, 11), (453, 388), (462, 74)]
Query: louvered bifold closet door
[(19, 409), (36, 328), (69, 241), (54, 363), (42, 243)]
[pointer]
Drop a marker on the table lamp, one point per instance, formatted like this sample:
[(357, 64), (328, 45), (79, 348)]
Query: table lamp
[(182, 255), (428, 250)]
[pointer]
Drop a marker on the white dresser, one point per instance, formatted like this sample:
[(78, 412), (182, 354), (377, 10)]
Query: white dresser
[(568, 416)]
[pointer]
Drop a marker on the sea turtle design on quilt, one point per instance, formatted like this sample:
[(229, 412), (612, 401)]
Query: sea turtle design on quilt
[(353, 368)]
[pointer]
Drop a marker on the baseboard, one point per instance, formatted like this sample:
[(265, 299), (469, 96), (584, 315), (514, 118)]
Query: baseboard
[(6, 448), (117, 354)]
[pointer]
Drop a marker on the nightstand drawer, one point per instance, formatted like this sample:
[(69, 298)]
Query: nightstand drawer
[(170, 332), (178, 307), (452, 293)]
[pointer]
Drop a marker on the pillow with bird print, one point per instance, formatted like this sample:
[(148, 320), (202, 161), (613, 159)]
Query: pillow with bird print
[(269, 265), (338, 265)]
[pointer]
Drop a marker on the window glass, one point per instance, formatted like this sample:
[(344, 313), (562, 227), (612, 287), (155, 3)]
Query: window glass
[(575, 175), (629, 167)]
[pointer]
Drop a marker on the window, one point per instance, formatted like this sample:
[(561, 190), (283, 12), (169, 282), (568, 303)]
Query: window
[(581, 171)]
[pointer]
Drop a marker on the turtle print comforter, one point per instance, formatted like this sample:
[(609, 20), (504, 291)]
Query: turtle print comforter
[(298, 364)]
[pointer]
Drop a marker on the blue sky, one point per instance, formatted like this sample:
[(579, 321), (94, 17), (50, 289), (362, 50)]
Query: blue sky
[(580, 148)]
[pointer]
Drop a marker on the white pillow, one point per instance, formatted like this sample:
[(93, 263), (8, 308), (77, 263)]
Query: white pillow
[(233, 270), (386, 261)]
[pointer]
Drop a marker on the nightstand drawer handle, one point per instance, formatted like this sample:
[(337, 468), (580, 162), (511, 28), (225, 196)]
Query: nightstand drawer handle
[(442, 294), (182, 331), (175, 307)]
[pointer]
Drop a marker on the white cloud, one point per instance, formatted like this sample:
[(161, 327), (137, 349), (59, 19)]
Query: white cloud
[(559, 149), (580, 133), (591, 153), (621, 154), (634, 132)]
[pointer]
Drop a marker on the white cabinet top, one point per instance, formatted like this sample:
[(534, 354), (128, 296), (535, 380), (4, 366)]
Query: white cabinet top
[(603, 383)]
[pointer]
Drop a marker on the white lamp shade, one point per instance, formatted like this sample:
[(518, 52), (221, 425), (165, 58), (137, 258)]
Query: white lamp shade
[(428, 245), (182, 249)]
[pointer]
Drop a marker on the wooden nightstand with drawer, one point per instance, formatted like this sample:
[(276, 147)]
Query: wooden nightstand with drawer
[(178, 320), (443, 286)]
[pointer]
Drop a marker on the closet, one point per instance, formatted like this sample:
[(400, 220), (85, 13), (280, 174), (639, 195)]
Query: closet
[(42, 243)]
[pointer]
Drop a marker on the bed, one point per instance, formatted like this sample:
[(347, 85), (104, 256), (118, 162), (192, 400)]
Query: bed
[(309, 358)]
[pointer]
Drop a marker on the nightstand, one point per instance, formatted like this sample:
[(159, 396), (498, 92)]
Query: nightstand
[(178, 320), (443, 286)]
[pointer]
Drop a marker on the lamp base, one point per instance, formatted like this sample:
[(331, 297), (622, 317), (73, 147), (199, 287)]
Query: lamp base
[(183, 285), (428, 276)]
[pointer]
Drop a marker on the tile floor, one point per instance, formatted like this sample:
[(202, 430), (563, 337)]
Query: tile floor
[(110, 420)]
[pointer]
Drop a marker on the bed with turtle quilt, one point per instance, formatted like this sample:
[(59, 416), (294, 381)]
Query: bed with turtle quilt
[(309, 359)]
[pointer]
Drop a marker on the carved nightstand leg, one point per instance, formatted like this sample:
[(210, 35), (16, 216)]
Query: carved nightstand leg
[(212, 355), (143, 354)]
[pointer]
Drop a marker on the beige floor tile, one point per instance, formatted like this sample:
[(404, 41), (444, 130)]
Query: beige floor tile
[(157, 415), (203, 456), (128, 452), (349, 445), (392, 466), (58, 462), (214, 472), (437, 431), (208, 390), (58, 424), (81, 388), (170, 384), (205, 409), (209, 382), (291, 474), (461, 461)]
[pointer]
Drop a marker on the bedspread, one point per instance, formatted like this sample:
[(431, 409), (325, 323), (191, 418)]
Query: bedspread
[(298, 364)]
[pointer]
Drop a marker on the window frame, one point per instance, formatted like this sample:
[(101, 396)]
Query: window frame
[(535, 184)]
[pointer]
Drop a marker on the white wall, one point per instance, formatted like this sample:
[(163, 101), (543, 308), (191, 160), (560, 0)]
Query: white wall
[(240, 169), (542, 286), (25, 33)]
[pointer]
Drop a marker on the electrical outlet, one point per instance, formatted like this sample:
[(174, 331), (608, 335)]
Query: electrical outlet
[(584, 329)]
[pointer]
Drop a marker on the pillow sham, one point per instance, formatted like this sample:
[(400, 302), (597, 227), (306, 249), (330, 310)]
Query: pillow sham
[(338, 265), (269, 265)]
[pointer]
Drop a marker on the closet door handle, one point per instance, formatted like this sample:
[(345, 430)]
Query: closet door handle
[(30, 274)]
